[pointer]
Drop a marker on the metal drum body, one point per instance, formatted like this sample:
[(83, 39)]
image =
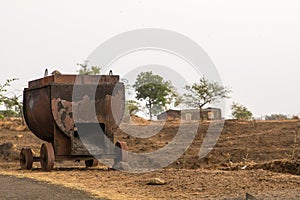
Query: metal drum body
[(50, 109)]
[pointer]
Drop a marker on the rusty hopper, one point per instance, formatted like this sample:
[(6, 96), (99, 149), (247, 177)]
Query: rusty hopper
[(50, 109)]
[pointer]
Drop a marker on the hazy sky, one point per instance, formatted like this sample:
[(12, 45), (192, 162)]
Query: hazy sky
[(255, 45)]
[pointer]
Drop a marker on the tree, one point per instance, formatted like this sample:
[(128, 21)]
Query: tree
[(85, 70), (173, 98), (132, 107), (240, 112), (204, 92), (155, 91), (12, 104)]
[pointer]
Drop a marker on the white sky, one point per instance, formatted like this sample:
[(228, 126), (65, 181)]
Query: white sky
[(255, 44)]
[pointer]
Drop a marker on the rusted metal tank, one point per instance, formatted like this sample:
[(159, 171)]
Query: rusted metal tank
[(51, 110)]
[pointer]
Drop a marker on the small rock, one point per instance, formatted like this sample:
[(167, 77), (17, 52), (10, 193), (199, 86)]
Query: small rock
[(156, 181), (19, 136), (250, 197), (6, 146), (123, 166), (5, 150), (244, 167), (21, 128)]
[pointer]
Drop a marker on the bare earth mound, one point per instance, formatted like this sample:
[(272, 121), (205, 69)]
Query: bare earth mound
[(259, 158)]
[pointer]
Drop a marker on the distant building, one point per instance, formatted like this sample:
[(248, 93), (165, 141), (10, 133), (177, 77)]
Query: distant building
[(191, 114)]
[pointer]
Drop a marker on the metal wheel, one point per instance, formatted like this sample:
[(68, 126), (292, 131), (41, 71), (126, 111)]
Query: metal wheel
[(26, 158), (121, 152), (47, 157), (91, 163)]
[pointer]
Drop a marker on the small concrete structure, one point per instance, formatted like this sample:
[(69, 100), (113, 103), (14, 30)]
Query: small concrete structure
[(191, 114)]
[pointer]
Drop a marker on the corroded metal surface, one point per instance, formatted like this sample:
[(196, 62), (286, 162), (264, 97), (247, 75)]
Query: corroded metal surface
[(121, 152), (47, 156), (50, 109), (26, 158), (70, 79), (37, 112)]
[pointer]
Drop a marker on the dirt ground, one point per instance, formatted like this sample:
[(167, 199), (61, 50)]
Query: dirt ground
[(260, 158)]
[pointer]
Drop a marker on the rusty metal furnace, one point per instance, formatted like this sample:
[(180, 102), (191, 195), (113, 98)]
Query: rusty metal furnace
[(76, 116)]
